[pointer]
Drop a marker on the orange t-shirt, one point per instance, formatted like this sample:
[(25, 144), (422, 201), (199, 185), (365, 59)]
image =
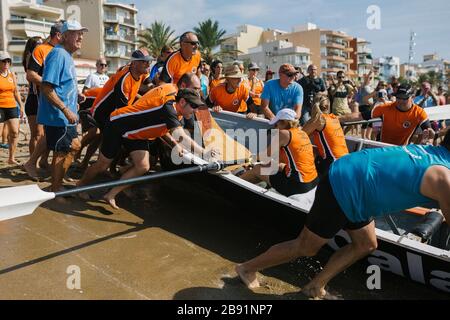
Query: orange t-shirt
[(234, 102), (37, 59), (256, 86), (399, 126), (175, 67), (120, 90), (298, 156), (330, 141), (150, 117), (7, 89), (215, 82)]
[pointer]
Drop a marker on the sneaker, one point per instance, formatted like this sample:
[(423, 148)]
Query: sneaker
[(4, 145)]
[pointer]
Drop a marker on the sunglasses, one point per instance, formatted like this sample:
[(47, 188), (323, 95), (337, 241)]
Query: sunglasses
[(193, 43), (103, 64), (6, 61), (290, 74)]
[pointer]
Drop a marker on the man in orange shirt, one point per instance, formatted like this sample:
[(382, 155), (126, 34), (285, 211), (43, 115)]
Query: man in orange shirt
[(185, 60), (157, 114), (400, 118), (232, 95)]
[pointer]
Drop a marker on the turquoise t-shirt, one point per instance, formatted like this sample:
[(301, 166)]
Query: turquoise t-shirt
[(280, 98), (374, 182), (59, 71)]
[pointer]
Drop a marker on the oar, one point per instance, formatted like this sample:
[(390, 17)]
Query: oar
[(23, 200)]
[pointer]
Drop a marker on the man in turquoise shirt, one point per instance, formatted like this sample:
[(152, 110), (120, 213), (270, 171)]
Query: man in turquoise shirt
[(59, 101), (282, 93), (360, 186)]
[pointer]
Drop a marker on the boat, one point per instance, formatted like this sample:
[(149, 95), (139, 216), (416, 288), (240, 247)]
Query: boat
[(398, 251)]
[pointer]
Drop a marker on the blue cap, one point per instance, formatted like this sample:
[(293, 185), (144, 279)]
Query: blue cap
[(73, 25)]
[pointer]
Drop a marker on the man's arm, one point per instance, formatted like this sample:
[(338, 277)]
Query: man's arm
[(265, 109), (298, 110), (34, 77), (436, 185), (49, 92), (180, 137)]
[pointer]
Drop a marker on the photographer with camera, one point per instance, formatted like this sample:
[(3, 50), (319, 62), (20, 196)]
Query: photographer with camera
[(340, 91), (311, 85)]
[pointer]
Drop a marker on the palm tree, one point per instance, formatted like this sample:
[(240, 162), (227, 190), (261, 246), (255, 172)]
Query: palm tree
[(211, 36), (156, 37)]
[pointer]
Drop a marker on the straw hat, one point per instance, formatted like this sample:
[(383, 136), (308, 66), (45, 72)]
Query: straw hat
[(233, 71)]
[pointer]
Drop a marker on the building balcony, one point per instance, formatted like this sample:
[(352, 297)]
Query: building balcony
[(116, 37), (37, 9), (118, 54), (364, 50), (30, 27), (333, 45), (130, 22), (365, 61), (16, 45), (348, 49), (349, 61), (331, 57)]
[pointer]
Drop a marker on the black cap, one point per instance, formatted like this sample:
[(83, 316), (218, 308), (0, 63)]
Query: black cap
[(57, 27), (191, 96), (141, 55), (404, 91)]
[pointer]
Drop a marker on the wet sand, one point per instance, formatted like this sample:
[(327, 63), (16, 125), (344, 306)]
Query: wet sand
[(169, 243)]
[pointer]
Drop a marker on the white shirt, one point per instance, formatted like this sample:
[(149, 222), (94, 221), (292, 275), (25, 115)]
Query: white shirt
[(96, 80)]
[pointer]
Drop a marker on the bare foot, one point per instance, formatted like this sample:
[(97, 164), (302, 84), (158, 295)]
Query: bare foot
[(31, 171), (317, 292), (44, 165), (249, 278), (14, 162), (111, 201)]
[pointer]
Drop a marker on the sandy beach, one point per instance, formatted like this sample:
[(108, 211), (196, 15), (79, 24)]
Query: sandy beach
[(164, 244)]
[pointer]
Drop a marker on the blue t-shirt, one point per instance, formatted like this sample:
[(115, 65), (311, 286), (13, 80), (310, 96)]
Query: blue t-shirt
[(429, 102), (375, 182), (59, 71), (205, 84), (280, 98)]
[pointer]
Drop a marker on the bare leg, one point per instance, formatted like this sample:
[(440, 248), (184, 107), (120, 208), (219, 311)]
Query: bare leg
[(101, 165), (13, 138), (141, 165), (92, 148), (306, 244), (61, 163), (33, 133), (364, 241), (86, 140), (254, 175), (31, 165)]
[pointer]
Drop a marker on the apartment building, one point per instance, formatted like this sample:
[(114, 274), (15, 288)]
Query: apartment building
[(388, 67), (361, 56), (330, 50), (112, 29), (246, 37), (20, 20), (271, 55)]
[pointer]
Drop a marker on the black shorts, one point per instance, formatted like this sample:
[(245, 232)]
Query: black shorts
[(289, 186), (8, 114), (31, 105), (113, 141), (59, 139), (323, 165), (326, 217), (362, 109), (86, 119)]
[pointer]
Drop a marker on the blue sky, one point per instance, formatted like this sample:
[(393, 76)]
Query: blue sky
[(429, 19)]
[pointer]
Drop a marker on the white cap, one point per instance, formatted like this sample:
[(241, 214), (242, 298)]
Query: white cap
[(4, 55), (284, 114), (73, 25)]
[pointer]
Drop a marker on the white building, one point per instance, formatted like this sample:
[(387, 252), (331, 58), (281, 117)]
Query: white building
[(364, 57), (20, 20), (246, 37), (271, 55), (389, 67)]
